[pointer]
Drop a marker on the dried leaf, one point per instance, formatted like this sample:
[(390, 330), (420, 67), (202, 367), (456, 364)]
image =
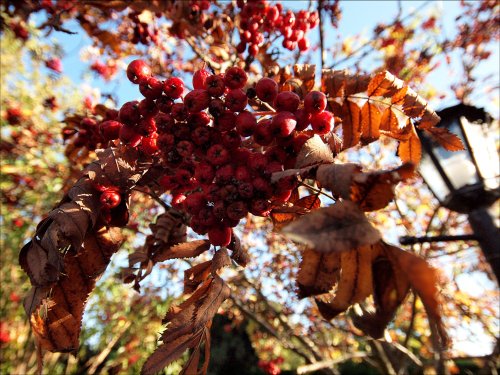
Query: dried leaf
[(373, 191), (337, 178), (196, 275), (302, 172), (220, 260), (424, 280), (184, 250), (389, 121), (314, 152), (318, 273), (448, 140), (307, 74), (410, 150), (351, 124), (239, 253), (337, 228), (370, 123), (384, 84), (354, 285)]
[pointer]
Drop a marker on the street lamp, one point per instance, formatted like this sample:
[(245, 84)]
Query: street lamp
[(465, 181)]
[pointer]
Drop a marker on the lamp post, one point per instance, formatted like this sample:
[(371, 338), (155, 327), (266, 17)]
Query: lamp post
[(465, 181)]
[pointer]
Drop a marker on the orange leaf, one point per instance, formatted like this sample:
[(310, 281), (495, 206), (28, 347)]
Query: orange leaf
[(351, 124), (410, 150), (184, 250), (389, 121), (448, 140), (384, 84), (370, 122), (318, 273)]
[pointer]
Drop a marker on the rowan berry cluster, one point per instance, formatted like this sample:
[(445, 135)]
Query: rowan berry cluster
[(258, 18), (142, 32), (218, 157)]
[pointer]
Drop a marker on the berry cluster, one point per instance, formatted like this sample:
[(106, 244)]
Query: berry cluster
[(271, 367), (14, 115), (218, 157), (55, 64), (94, 132), (106, 70), (259, 17), (142, 32)]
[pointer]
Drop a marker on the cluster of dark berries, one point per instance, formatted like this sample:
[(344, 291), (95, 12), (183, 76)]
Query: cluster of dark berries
[(218, 156), (142, 32), (94, 132), (271, 367), (14, 115), (258, 18)]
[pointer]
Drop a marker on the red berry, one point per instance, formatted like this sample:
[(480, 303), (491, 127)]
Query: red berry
[(129, 112), (231, 140), (315, 102), (283, 124), (235, 78), (54, 64), (197, 100), (194, 202), (201, 135), (218, 155), (287, 101), (110, 129), (245, 123), (215, 85), (110, 199), (236, 100), (178, 200), (303, 44), (260, 207), (303, 119), (226, 121), (148, 144), (262, 134), (173, 87), (199, 119), (220, 236), (224, 174), (137, 71), (199, 79), (129, 136), (151, 87), (237, 210), (204, 173), (148, 108), (323, 122), (267, 90), (185, 148), (179, 112)]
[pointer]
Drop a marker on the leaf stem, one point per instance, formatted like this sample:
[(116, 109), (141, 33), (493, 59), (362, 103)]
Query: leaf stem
[(319, 191)]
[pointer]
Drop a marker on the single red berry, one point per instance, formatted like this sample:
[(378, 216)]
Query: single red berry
[(253, 49), (129, 136), (322, 123), (245, 123), (220, 236), (235, 78), (54, 64), (303, 119), (226, 121), (148, 108), (197, 100), (148, 144), (263, 133), (164, 122), (185, 148), (283, 124), (167, 182), (164, 104), (236, 100), (218, 155), (173, 87), (137, 71), (287, 101), (267, 90), (245, 190), (199, 79), (129, 112), (315, 102), (178, 200), (216, 107), (231, 139), (179, 112), (194, 202), (215, 85), (198, 119), (204, 173), (303, 44), (257, 161), (110, 199), (201, 135), (224, 174), (110, 129), (151, 87), (147, 125)]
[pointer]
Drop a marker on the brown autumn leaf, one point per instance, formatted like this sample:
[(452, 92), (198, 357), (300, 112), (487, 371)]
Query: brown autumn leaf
[(448, 140), (373, 191), (318, 273), (302, 172), (370, 122), (337, 178), (410, 150), (314, 152), (340, 227), (351, 124), (307, 74), (389, 121), (424, 280), (183, 250), (220, 260), (399, 96), (239, 253), (384, 84), (56, 314), (354, 284), (286, 214), (195, 275)]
